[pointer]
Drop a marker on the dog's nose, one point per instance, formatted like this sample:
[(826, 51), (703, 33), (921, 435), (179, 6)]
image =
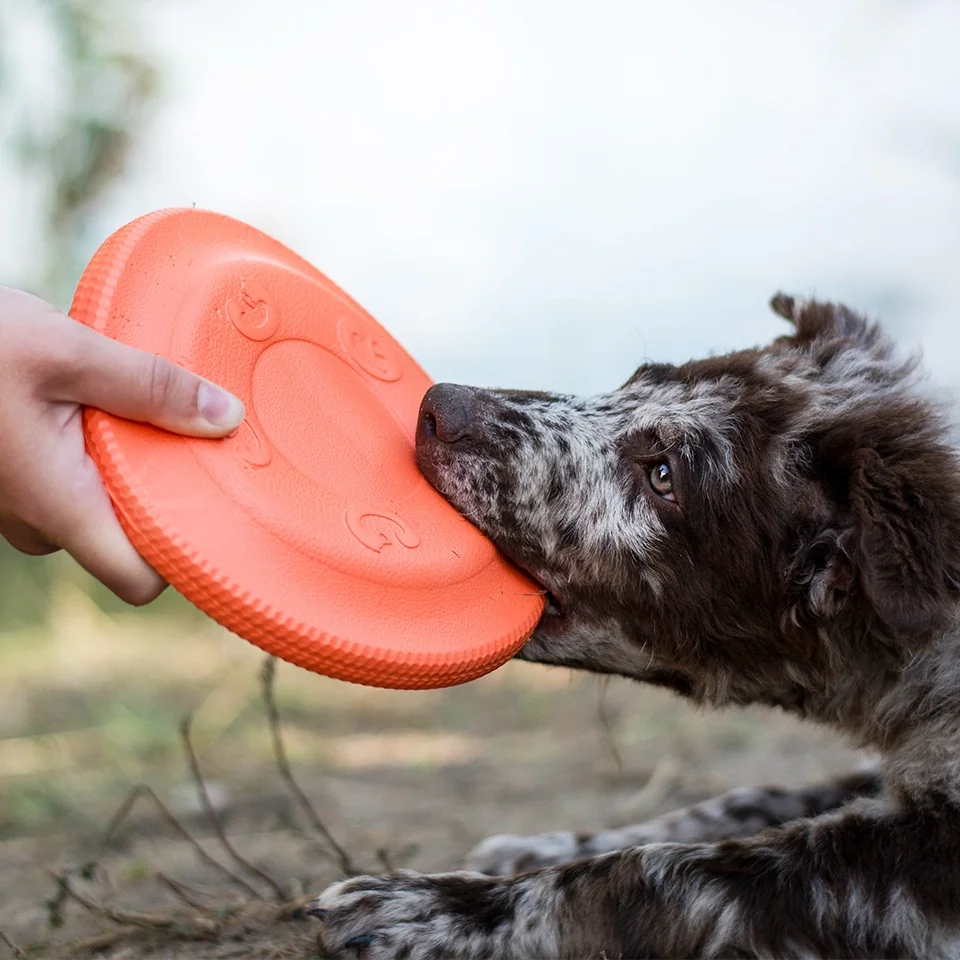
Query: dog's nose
[(447, 413)]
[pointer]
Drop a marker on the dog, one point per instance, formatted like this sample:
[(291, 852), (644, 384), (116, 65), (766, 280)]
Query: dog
[(777, 526)]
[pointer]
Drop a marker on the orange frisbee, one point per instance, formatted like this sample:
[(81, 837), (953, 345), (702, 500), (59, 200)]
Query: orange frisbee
[(309, 531)]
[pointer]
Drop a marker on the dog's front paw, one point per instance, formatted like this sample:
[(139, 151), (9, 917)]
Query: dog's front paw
[(411, 916), (507, 854), (383, 917)]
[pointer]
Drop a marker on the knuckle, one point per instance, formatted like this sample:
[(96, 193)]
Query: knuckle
[(61, 355), (160, 381), (54, 355)]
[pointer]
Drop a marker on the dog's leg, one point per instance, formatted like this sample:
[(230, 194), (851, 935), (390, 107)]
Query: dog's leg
[(739, 813), (874, 880)]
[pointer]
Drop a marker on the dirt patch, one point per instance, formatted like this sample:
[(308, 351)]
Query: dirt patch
[(422, 776)]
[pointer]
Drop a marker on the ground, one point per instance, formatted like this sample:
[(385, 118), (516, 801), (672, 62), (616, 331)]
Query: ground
[(91, 704)]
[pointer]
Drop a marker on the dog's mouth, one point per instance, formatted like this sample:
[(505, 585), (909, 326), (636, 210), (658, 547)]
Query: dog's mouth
[(553, 607), (554, 615), (431, 465)]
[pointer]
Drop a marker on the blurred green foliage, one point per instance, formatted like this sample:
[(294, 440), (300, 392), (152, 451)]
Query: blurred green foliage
[(76, 87), (27, 583), (77, 139)]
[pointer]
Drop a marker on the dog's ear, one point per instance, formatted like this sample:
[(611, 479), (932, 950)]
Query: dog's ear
[(894, 544), (903, 545), (894, 548), (815, 320)]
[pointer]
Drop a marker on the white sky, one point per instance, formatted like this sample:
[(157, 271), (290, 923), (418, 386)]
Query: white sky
[(541, 193)]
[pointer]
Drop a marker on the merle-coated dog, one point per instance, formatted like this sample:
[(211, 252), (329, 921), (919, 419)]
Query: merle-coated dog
[(776, 526)]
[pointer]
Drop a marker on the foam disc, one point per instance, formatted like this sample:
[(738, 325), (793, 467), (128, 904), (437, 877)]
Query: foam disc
[(310, 531)]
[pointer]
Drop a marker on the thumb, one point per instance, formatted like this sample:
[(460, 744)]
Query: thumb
[(131, 383)]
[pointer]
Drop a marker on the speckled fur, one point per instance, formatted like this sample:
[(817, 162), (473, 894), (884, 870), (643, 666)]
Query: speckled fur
[(811, 563)]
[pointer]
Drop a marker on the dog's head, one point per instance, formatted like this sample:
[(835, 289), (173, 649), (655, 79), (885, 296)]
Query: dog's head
[(735, 527)]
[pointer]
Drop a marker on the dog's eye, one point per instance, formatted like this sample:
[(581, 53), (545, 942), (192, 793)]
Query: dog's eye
[(661, 479)]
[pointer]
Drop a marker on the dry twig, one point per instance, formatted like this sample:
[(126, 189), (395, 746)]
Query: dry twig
[(203, 918), (180, 891), (188, 928), (142, 790), (214, 820), (267, 676), (609, 738), (665, 776), (14, 949), (102, 941)]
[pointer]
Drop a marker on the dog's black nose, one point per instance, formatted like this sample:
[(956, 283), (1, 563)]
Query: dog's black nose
[(447, 413)]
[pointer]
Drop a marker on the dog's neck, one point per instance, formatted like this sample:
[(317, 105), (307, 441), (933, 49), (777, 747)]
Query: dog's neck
[(907, 711)]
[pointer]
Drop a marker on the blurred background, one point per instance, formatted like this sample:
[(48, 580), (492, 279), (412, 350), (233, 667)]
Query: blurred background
[(533, 193)]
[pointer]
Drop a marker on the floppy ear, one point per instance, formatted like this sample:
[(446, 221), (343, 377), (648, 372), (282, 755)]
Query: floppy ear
[(895, 539), (890, 553), (904, 541)]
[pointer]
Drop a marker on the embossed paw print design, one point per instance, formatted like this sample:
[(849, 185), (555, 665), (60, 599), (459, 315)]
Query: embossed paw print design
[(251, 443), (378, 530), (250, 312), (372, 352)]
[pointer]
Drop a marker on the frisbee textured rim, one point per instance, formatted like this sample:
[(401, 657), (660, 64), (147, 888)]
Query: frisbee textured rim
[(404, 593)]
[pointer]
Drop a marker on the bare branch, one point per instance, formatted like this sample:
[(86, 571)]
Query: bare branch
[(181, 893), (267, 677), (102, 941), (192, 928), (606, 725), (214, 820), (14, 949), (142, 790)]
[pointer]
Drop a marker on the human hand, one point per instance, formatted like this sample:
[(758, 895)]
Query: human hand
[(51, 494)]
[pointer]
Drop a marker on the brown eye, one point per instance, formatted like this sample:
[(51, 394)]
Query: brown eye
[(661, 479)]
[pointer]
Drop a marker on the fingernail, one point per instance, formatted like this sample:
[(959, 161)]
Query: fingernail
[(220, 408)]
